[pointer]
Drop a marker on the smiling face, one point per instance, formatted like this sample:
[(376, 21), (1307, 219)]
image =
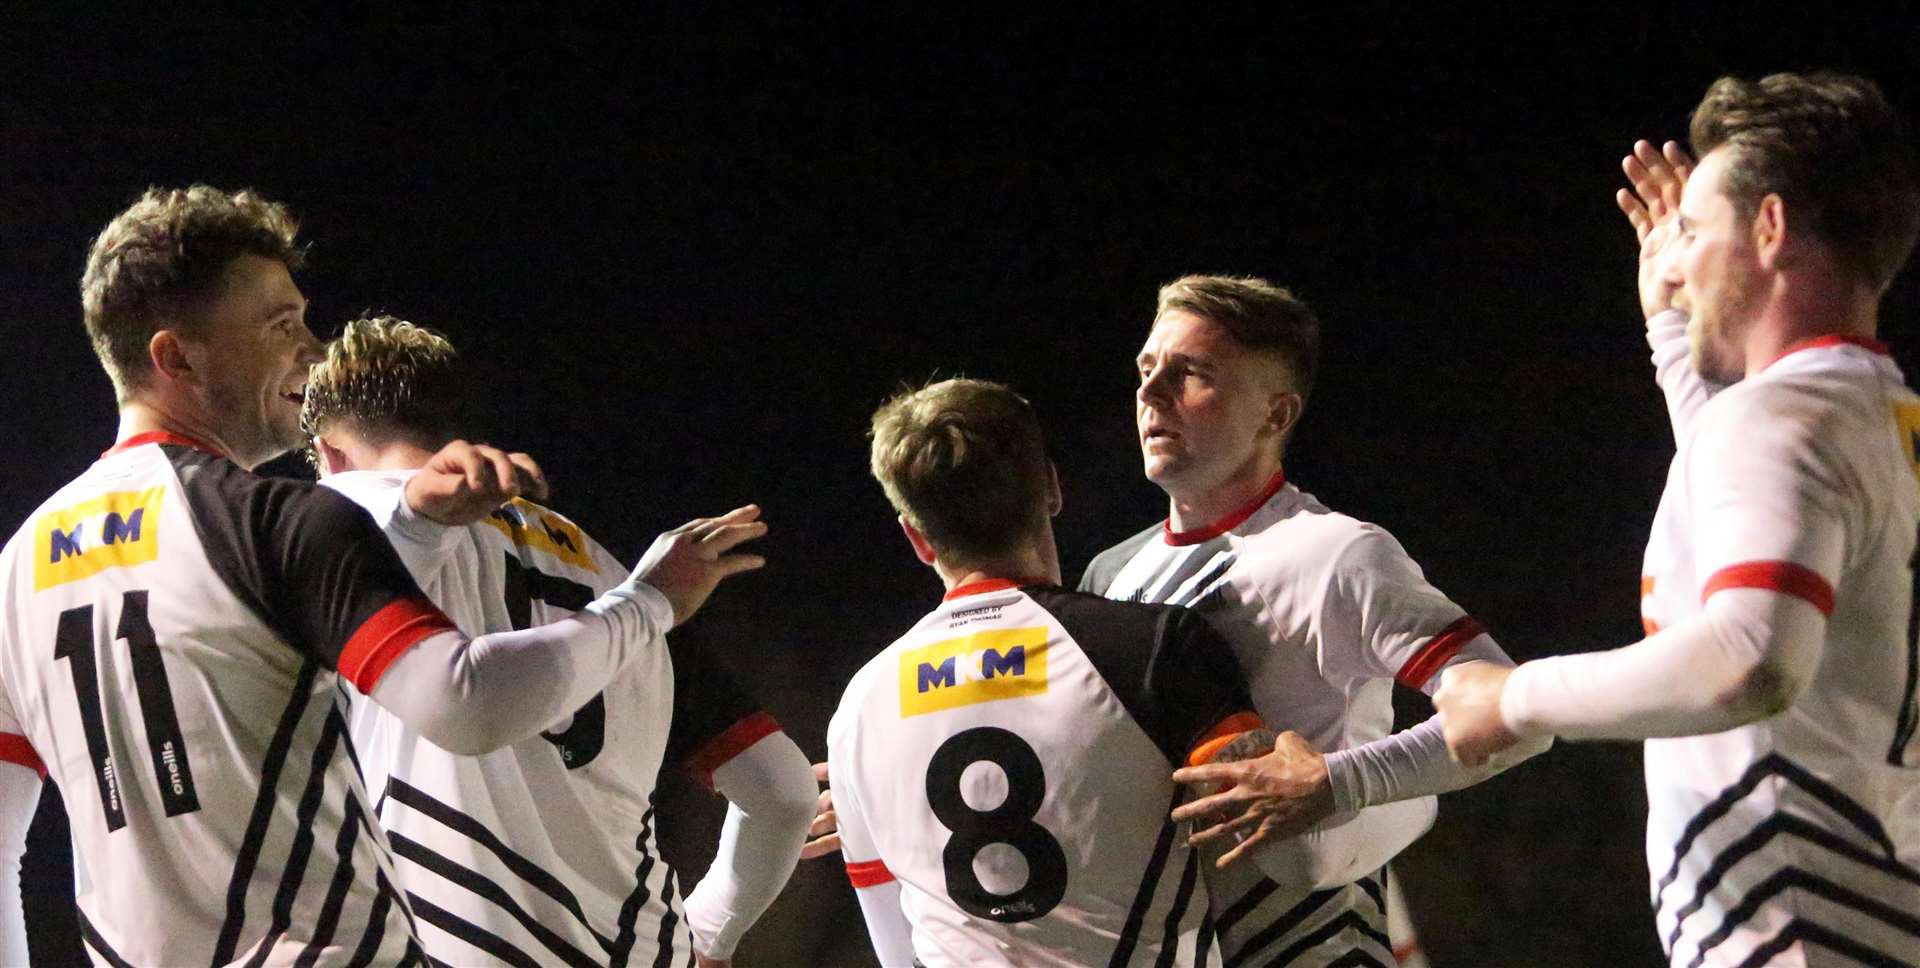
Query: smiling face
[(1209, 411), (1720, 272), (250, 352)]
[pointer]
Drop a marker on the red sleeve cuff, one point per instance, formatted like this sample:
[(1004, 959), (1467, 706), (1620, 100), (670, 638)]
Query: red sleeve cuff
[(14, 748), (1784, 577), (729, 744), (1439, 651), (868, 873), (384, 636)]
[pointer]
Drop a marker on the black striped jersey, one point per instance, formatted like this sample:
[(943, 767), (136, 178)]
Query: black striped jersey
[(174, 628), (1794, 840), (544, 852), (1008, 760), (1325, 613)]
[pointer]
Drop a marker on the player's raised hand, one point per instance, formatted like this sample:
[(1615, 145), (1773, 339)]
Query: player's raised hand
[(1652, 207), (1469, 703), (825, 832), (463, 482), (1272, 790), (689, 562)]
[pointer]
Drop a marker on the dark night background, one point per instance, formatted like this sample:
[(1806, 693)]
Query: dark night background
[(688, 251)]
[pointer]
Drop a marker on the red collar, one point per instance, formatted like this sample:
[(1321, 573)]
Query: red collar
[(161, 437), (1228, 523), (986, 585), (1832, 339)]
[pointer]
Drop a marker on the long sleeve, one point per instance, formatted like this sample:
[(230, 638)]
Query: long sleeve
[(19, 795), (771, 791)]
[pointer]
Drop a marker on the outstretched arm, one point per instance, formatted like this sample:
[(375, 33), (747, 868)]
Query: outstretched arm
[(771, 792)]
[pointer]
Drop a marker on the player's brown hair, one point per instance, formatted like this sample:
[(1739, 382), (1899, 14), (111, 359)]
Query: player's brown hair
[(965, 463), (385, 379), (1835, 152), (1257, 314), (167, 253)]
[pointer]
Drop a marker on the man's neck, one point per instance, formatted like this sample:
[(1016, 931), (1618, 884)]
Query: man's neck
[(1024, 565), (1203, 507), (139, 416), (399, 455), (1807, 306)]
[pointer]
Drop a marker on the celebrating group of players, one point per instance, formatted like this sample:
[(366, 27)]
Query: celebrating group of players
[(409, 716)]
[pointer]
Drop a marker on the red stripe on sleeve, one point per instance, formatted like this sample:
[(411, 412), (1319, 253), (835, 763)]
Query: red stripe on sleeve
[(1439, 651), (384, 636), (868, 873), (14, 748), (735, 741), (1784, 577)]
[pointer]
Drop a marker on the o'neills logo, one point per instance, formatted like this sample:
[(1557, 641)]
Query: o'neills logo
[(982, 667), (110, 531)]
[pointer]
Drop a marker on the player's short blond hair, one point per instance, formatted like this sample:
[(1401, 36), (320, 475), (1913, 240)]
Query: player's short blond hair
[(1256, 314), (167, 253), (964, 462), (385, 379)]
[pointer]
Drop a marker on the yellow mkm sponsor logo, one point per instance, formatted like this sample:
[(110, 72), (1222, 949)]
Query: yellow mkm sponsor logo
[(982, 667), (111, 531), (1907, 416), (531, 526)]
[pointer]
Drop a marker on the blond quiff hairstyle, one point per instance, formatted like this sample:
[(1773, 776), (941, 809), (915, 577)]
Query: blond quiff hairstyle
[(385, 379)]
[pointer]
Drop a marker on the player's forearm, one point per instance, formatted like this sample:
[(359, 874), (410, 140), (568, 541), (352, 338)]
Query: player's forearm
[(1746, 656), (19, 795), (474, 696), (1411, 763), (1345, 847), (887, 925), (771, 791)]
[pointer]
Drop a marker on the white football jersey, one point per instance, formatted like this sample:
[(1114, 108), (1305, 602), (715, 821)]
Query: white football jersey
[(172, 628), (1794, 840), (544, 852), (1008, 761), (1324, 612)]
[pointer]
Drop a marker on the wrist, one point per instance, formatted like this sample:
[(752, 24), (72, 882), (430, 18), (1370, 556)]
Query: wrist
[(1343, 778), (1516, 705)]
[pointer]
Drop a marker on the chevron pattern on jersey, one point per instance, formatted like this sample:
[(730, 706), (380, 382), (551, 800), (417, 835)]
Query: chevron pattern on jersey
[(1838, 858), (1303, 912)]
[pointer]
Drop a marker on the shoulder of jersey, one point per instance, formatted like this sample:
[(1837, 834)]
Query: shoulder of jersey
[(535, 526), (1299, 526)]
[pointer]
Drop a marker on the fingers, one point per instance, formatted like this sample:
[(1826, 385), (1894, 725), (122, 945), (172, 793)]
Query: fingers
[(531, 480), (821, 847), (1244, 849), (723, 537), (1207, 773), (820, 772), (1635, 212), (824, 824), (1222, 803), (1225, 828), (733, 565), (1678, 158)]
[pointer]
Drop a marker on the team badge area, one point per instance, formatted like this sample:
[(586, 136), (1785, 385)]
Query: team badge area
[(531, 527), (983, 667), (113, 530)]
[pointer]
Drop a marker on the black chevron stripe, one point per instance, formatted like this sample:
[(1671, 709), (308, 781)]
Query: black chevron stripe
[(1781, 824), (1372, 884), (1773, 764), (1245, 905), (484, 888), (1811, 933), (1357, 957), (1144, 895), (1200, 587), (1792, 878), (1278, 928), (1348, 921)]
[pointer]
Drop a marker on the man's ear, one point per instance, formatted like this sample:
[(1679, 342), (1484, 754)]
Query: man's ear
[(922, 548), (1054, 501), (1284, 410), (333, 460), (1770, 231), (170, 358)]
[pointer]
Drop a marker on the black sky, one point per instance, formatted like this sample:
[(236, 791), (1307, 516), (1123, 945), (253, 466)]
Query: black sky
[(687, 252)]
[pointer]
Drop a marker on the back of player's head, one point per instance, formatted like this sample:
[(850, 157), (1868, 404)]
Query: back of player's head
[(1257, 315), (156, 262), (385, 380), (1835, 152), (964, 462)]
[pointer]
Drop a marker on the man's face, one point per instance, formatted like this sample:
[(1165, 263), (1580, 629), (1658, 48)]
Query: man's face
[(1720, 272), (1204, 410), (252, 351)]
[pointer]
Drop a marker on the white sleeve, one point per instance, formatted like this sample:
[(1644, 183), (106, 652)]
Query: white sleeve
[(875, 886), (1685, 390), (422, 543), (772, 791), (1746, 656), (1379, 618), (1412, 763), (1345, 847), (19, 795), (473, 696)]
